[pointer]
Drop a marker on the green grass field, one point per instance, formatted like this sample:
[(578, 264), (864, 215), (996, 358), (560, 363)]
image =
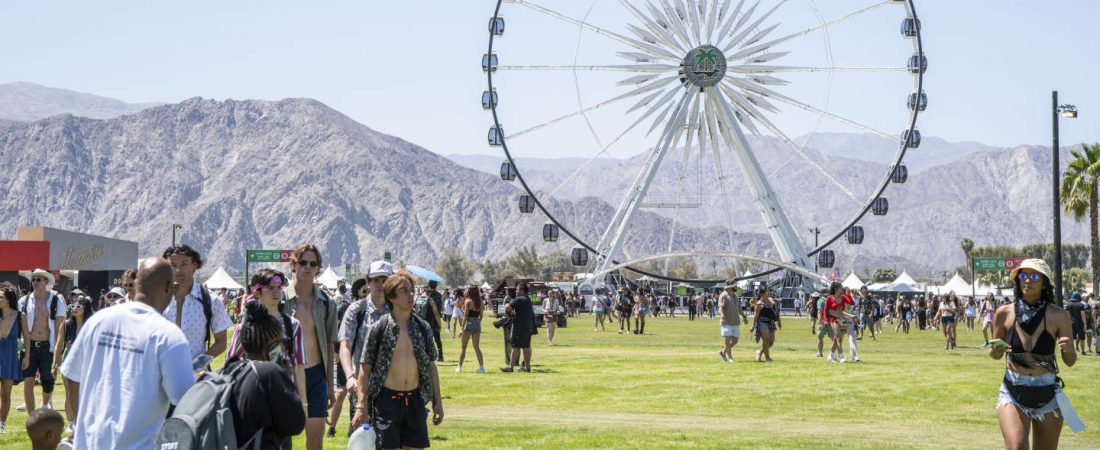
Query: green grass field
[(669, 389)]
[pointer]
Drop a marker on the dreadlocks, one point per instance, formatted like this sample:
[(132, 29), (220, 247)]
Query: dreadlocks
[(258, 328)]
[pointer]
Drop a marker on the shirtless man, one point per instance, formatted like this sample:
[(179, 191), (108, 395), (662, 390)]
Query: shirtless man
[(38, 308), (317, 314), (397, 372)]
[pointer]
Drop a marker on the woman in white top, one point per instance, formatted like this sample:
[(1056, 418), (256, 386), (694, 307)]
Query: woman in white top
[(448, 309), (551, 307)]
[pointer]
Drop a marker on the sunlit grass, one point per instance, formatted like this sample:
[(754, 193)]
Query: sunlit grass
[(669, 389)]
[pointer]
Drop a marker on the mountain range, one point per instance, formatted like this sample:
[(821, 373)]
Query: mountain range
[(273, 174)]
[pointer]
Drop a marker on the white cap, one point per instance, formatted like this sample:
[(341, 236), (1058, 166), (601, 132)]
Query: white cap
[(118, 291), (380, 269)]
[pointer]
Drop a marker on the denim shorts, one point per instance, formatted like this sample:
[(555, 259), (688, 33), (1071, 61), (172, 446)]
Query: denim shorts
[(762, 325), (316, 392), (733, 331), (1004, 398)]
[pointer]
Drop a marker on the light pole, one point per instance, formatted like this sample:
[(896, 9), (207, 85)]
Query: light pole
[(175, 227), (816, 231), (1069, 112)]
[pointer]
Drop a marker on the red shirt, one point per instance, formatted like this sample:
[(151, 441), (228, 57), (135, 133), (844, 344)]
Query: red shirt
[(831, 304)]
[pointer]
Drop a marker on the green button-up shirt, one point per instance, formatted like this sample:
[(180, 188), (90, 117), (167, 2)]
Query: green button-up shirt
[(324, 319)]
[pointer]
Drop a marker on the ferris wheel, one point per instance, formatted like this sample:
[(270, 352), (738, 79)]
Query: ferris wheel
[(735, 91)]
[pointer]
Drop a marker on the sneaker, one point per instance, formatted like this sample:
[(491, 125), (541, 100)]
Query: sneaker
[(458, 368), (506, 369), (758, 356), (842, 360), (831, 358), (620, 331), (3, 428), (331, 433), (524, 369), (48, 405), (22, 407), (723, 356), (818, 355), (480, 369)]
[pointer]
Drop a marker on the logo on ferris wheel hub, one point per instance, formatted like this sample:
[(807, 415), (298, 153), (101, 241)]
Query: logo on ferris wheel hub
[(704, 66)]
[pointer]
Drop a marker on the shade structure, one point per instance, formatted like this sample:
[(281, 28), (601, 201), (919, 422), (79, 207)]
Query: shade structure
[(901, 288), (424, 273), (329, 278), (852, 281), (221, 280), (957, 284), (904, 278)]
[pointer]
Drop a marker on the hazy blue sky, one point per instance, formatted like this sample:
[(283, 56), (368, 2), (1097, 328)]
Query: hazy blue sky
[(411, 68)]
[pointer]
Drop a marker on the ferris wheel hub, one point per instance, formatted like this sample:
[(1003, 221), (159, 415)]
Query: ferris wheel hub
[(704, 66)]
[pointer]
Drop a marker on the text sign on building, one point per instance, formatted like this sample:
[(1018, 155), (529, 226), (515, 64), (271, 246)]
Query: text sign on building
[(268, 256), (78, 251)]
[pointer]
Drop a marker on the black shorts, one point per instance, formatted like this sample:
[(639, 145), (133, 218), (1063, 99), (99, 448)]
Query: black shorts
[(401, 420), (1078, 330), (41, 358), (521, 338)]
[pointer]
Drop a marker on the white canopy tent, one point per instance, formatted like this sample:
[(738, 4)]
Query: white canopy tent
[(485, 285), (852, 282), (901, 288), (329, 279), (957, 284), (221, 280), (904, 278), (743, 284)]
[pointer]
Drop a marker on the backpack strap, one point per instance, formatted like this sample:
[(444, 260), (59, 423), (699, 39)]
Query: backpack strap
[(288, 329), (207, 311), (359, 315), (53, 305)]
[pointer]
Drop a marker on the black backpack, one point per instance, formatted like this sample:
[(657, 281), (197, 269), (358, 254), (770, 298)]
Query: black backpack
[(204, 418), (207, 312)]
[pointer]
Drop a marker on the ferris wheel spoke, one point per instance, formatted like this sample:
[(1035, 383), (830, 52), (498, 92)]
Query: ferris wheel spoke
[(634, 93), (740, 37), (640, 45), (712, 18), (770, 94), (696, 21), (654, 27), (676, 21), (611, 242), (719, 172), (753, 68), (644, 68), (743, 53), (739, 100), (731, 19), (744, 18), (786, 241)]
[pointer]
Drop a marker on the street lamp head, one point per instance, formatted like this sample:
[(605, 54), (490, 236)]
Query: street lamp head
[(1068, 111)]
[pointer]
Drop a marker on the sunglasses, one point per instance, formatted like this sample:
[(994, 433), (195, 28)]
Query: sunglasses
[(304, 263), (1024, 276), (36, 280), (128, 285)]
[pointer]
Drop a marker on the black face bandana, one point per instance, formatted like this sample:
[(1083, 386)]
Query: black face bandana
[(1029, 316)]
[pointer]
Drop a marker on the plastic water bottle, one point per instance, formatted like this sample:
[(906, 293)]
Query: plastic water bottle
[(362, 439)]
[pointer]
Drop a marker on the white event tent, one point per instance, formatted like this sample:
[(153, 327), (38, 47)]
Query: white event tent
[(329, 279), (957, 284), (221, 280), (852, 282)]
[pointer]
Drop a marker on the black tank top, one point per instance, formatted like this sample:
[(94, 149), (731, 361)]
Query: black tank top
[(1044, 344), (766, 312)]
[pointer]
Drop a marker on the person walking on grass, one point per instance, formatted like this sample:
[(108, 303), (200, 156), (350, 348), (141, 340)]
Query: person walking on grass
[(765, 322), (732, 316), (867, 312), (360, 316), (641, 310), (44, 311), (551, 308), (971, 313), (1034, 329), (472, 312), (599, 309), (904, 310), (986, 310), (948, 315), (523, 326), (834, 316), (1077, 312), (625, 307), (12, 329), (398, 376)]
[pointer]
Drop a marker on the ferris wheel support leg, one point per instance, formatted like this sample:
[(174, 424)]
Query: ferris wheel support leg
[(611, 241), (786, 241)]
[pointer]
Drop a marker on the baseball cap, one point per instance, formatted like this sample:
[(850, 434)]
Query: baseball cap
[(118, 291), (380, 269)]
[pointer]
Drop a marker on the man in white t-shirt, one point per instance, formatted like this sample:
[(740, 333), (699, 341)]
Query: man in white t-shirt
[(187, 310), (128, 365), (45, 310)]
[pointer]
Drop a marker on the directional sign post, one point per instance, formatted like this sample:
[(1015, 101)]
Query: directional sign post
[(264, 256), (982, 264)]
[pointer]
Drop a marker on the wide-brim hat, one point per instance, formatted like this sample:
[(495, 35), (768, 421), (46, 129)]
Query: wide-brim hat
[(41, 273), (1035, 264), (730, 284)]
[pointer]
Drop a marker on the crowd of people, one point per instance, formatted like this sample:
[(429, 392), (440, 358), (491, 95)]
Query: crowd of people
[(299, 351)]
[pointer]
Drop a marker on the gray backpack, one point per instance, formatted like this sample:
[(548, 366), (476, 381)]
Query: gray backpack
[(203, 420)]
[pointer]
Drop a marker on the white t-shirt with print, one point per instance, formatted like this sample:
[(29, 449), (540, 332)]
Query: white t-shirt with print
[(131, 364), (27, 303), (194, 321)]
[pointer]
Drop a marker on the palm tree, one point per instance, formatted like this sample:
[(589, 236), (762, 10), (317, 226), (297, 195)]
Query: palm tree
[(967, 245), (1080, 194)]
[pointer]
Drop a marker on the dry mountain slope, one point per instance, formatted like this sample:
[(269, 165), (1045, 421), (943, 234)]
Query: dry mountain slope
[(262, 174)]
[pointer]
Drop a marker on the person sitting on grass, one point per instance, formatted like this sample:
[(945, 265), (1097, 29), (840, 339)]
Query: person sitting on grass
[(44, 427)]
